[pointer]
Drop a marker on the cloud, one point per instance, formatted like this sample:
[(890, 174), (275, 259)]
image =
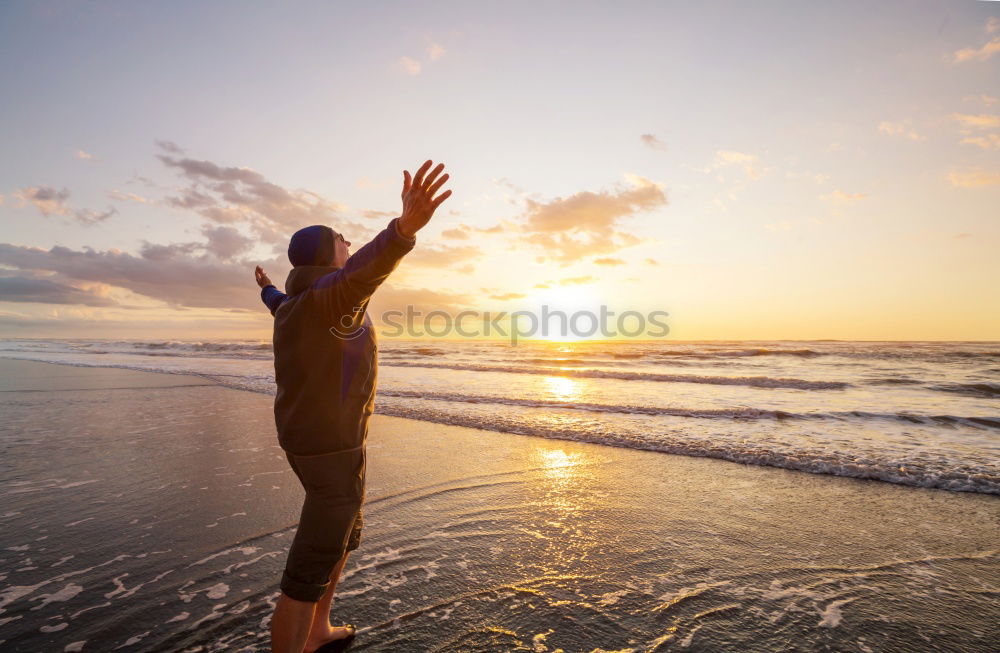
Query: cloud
[(841, 197), (411, 66), (35, 289), (651, 261), (974, 179), (435, 51), (748, 161), (455, 234), (240, 208), (507, 296), (978, 54), (393, 297), (987, 141), (442, 256), (379, 215), (607, 260), (225, 242), (230, 195), (653, 142), (992, 24), (46, 199), (973, 123), (587, 223), (899, 129), (50, 201), (80, 154), (980, 121), (88, 216), (576, 281), (988, 100), (169, 146), (128, 197), (162, 272)]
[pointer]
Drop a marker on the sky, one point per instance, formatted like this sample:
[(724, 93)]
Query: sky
[(766, 170)]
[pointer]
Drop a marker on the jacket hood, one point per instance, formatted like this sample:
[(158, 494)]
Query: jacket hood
[(302, 276), (312, 246)]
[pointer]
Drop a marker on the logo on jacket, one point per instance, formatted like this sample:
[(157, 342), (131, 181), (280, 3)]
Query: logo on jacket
[(351, 326)]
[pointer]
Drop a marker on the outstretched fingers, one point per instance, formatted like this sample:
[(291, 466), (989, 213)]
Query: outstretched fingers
[(431, 177), (436, 203), (418, 181), (407, 182), (433, 189)]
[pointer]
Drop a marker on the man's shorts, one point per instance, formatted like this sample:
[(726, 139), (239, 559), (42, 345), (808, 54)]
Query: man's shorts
[(331, 520)]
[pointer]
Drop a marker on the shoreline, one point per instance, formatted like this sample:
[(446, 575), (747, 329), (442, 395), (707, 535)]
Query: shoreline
[(903, 475)]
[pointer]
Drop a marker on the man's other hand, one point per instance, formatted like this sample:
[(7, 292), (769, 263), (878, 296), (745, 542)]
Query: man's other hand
[(419, 202), (262, 278)]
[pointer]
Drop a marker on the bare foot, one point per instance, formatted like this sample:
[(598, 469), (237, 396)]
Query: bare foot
[(332, 634)]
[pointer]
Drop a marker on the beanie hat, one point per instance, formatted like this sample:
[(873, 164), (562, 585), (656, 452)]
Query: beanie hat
[(312, 246)]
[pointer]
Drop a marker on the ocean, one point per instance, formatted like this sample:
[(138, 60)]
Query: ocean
[(924, 414)]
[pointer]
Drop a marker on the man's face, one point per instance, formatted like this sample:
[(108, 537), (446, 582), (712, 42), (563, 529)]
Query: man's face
[(341, 251)]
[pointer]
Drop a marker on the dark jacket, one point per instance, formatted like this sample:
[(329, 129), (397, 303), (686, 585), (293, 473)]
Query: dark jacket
[(325, 350)]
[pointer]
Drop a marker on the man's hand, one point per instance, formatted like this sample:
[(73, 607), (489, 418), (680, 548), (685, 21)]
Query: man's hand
[(262, 278), (419, 202)]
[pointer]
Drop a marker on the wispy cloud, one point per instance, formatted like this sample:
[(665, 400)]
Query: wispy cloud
[(980, 121), (88, 216), (435, 51), (442, 256), (987, 100), (506, 296), (899, 129), (587, 223), (974, 178), (609, 261), (170, 146), (238, 195), (128, 197), (577, 281), (50, 201), (749, 162), (978, 54), (972, 127), (46, 199), (989, 141), (841, 197), (455, 234), (653, 142), (411, 66), (87, 156)]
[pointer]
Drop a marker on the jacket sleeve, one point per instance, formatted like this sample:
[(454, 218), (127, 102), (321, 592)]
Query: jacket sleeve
[(272, 297), (348, 289)]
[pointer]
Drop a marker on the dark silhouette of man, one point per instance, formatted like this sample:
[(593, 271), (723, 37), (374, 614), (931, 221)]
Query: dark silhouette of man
[(325, 367)]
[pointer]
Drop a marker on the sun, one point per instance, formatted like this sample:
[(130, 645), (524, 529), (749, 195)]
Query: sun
[(570, 313)]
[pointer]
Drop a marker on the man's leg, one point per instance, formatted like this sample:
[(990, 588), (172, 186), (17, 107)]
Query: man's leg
[(321, 631), (290, 624), (317, 552)]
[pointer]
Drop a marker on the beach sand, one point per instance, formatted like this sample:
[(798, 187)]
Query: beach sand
[(148, 511)]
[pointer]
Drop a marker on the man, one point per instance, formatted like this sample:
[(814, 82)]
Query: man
[(325, 367)]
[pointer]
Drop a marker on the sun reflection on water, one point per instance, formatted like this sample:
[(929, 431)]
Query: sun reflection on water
[(563, 388)]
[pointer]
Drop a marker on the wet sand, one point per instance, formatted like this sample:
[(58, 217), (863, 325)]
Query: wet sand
[(152, 512)]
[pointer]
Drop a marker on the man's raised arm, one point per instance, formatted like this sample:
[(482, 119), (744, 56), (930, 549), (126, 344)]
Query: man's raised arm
[(371, 265)]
